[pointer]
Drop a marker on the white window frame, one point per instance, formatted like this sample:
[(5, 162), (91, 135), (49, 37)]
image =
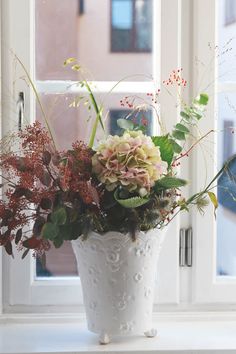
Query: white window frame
[(21, 291), (208, 290), (194, 288)]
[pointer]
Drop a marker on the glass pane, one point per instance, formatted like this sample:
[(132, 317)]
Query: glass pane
[(226, 215), (63, 118), (143, 24), (142, 118), (92, 36), (226, 51), (63, 121), (72, 28), (122, 14), (56, 38), (70, 119), (70, 123), (59, 263)]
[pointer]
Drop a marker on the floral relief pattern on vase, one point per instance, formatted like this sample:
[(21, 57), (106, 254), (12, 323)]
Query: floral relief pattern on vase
[(118, 285)]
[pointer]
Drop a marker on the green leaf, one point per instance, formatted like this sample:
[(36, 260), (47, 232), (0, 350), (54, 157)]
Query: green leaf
[(18, 236), (59, 216), (176, 147), (178, 135), (98, 110), (196, 115), (69, 61), (169, 183), (133, 202), (45, 203), (214, 201), (182, 128), (202, 99), (71, 231), (76, 67), (25, 253), (50, 231), (184, 115), (125, 124), (166, 148), (8, 248), (58, 242)]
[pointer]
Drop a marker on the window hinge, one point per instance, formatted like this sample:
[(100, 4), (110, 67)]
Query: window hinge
[(185, 247)]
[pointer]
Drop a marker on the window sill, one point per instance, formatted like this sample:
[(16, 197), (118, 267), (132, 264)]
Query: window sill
[(71, 336)]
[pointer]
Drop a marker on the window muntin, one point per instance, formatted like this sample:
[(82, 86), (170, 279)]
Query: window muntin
[(131, 25)]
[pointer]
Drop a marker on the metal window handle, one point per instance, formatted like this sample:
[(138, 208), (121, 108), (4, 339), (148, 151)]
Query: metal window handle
[(182, 248), (20, 109), (189, 247), (186, 247)]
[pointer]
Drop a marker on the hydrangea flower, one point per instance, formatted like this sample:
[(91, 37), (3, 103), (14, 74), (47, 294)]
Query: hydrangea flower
[(131, 161)]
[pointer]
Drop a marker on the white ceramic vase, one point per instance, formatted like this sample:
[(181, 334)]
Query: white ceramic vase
[(118, 279)]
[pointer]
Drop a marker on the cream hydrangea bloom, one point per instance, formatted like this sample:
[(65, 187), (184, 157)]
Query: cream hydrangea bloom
[(131, 160)]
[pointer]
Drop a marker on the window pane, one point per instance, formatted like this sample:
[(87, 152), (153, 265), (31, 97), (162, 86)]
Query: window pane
[(143, 24), (63, 120), (226, 51), (56, 37), (226, 214), (59, 263), (131, 25), (141, 118), (70, 123), (122, 25), (230, 11), (82, 29), (62, 32), (122, 14)]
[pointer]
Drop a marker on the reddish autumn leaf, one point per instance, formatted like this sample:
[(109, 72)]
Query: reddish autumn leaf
[(32, 243), (46, 179), (46, 157)]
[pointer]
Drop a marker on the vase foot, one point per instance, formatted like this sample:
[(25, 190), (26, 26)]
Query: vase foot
[(151, 333), (104, 338)]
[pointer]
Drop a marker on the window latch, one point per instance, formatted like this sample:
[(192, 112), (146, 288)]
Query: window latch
[(20, 109), (185, 247)]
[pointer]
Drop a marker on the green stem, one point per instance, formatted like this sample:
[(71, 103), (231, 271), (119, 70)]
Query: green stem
[(206, 190), (37, 98), (98, 112)]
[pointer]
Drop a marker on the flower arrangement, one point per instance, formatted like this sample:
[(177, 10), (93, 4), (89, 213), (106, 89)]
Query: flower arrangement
[(126, 183)]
